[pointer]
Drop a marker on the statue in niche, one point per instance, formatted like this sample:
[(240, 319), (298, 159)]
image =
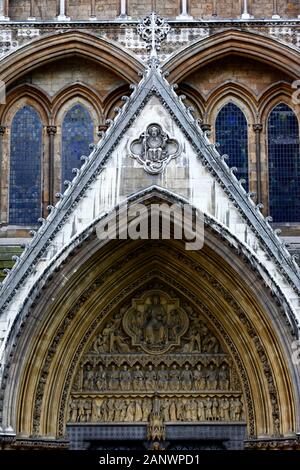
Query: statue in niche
[(224, 409), (188, 411), (237, 409), (88, 377), (114, 378), (97, 410), (138, 411), (125, 379), (162, 378), (193, 410), (138, 378), (186, 378), (110, 410), (155, 327), (154, 149), (211, 377), (118, 410), (130, 412), (215, 408), (166, 409), (224, 376), (123, 410), (173, 411), (199, 377), (101, 378), (180, 410), (147, 408), (73, 411), (174, 376), (81, 411), (208, 409), (201, 410), (150, 378)]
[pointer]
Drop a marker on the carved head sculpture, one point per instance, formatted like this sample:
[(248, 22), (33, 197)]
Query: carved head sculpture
[(153, 131)]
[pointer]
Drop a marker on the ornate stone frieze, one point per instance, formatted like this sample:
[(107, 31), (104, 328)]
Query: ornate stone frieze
[(155, 351)]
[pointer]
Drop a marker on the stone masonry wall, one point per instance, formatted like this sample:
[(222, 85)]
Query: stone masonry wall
[(110, 9)]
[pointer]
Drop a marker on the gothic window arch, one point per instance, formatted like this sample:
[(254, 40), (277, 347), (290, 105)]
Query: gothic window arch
[(25, 185), (284, 164), (77, 134), (232, 135)]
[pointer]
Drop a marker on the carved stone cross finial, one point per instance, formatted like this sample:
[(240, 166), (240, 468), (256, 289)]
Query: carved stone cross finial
[(153, 30)]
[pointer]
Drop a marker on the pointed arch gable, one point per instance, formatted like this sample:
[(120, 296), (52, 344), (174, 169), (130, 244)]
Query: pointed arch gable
[(247, 44), (55, 46), (90, 273)]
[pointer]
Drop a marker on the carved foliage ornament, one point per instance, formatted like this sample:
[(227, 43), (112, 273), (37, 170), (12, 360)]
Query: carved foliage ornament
[(154, 149)]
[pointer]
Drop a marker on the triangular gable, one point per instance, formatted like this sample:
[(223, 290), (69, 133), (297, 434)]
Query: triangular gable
[(153, 84)]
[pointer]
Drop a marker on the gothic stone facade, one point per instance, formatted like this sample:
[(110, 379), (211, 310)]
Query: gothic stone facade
[(144, 340)]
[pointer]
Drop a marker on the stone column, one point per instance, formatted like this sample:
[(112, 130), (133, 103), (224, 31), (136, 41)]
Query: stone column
[(93, 16), (31, 16), (245, 14), (51, 131), (275, 15), (257, 129), (4, 10), (215, 8), (62, 11), (2, 132), (123, 9), (184, 14)]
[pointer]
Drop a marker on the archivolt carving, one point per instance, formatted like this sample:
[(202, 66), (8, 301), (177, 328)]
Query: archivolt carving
[(76, 309)]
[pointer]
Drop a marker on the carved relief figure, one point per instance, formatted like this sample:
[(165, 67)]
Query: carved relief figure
[(125, 378), (186, 378), (212, 377), (154, 149), (138, 378), (88, 377), (224, 377), (155, 331), (101, 378), (114, 378), (199, 377), (162, 378), (174, 376), (150, 378)]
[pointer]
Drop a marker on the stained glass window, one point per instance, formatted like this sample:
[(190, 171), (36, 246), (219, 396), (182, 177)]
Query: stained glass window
[(77, 134), (284, 164), (25, 167), (232, 135)]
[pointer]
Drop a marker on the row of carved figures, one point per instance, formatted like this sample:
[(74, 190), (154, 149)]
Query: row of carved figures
[(138, 379), (171, 409)]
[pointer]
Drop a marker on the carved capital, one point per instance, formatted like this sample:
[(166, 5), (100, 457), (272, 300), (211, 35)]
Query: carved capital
[(102, 128), (206, 127), (2, 130), (257, 127), (51, 130)]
